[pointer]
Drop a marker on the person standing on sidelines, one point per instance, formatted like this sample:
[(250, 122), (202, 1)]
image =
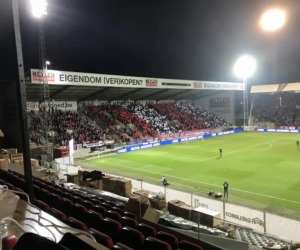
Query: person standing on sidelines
[(220, 151), (226, 186)]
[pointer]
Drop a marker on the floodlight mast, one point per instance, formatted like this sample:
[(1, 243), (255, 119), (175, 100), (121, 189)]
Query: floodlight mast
[(244, 68), (39, 10)]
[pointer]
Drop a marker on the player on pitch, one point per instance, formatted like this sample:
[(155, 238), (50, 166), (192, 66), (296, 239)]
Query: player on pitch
[(220, 151)]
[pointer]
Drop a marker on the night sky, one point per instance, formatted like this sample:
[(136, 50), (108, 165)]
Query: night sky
[(187, 39)]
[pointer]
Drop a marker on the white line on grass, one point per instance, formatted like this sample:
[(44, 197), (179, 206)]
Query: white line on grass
[(214, 185)]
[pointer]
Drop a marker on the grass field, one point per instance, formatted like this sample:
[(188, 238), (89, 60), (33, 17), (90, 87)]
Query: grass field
[(262, 169)]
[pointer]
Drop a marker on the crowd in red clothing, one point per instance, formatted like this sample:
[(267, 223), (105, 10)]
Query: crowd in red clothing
[(174, 113), (141, 130)]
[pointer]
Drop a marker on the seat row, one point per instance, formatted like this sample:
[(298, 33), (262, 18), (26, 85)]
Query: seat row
[(105, 219)]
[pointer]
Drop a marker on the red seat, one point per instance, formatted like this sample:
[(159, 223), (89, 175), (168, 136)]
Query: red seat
[(22, 196), (77, 211), (10, 186), (76, 199), (146, 230), (168, 238), (101, 238), (112, 228), (95, 201), (110, 203), (64, 205), (118, 210), (132, 238), (54, 199), (130, 215), (106, 205), (72, 222), (113, 215), (154, 244), (57, 214), (186, 245), (99, 209), (42, 205), (120, 246), (126, 221), (92, 219), (87, 204)]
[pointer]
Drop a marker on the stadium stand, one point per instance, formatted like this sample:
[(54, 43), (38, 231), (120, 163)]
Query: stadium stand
[(283, 109), (107, 231)]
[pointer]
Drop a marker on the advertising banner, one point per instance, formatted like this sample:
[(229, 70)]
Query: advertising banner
[(153, 190), (32, 106), (198, 201), (94, 144), (62, 105), (245, 216), (282, 227), (172, 194), (219, 85), (221, 102), (249, 128), (278, 130), (101, 80)]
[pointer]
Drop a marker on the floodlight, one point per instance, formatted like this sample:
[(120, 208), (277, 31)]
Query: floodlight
[(48, 63), (272, 20), (244, 67), (38, 8)]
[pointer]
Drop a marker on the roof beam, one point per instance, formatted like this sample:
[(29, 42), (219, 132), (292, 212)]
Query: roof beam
[(193, 97), (126, 94), (176, 94), (94, 94), (59, 91), (153, 94)]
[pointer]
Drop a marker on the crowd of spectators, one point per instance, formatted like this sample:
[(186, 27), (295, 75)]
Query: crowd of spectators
[(209, 119), (282, 110), (155, 120), (183, 119)]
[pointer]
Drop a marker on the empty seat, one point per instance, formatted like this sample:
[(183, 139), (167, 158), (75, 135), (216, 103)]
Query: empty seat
[(95, 201), (92, 219), (132, 238), (110, 203), (146, 230), (113, 215), (154, 244), (186, 245), (106, 205), (120, 246), (10, 186), (126, 221), (99, 209), (22, 196), (42, 205), (76, 199), (130, 215), (54, 199), (57, 214), (101, 238), (168, 238), (118, 210), (72, 222), (64, 205), (112, 228), (77, 211), (87, 204)]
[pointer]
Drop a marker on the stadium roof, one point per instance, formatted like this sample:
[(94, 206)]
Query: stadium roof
[(273, 88), (74, 86), (88, 93)]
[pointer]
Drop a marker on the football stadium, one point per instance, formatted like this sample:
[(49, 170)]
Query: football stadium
[(121, 162)]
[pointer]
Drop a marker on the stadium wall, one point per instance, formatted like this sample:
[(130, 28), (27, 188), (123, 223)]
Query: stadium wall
[(172, 141), (221, 103)]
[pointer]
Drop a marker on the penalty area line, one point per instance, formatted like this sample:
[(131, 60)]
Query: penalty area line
[(206, 183)]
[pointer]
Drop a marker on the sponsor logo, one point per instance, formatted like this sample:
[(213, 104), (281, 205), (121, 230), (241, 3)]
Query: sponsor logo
[(197, 203), (246, 219), (95, 144), (147, 146), (294, 131), (192, 138), (39, 76), (260, 130), (174, 141), (122, 150), (283, 130), (198, 85), (229, 86), (156, 144), (272, 130), (135, 148), (151, 83)]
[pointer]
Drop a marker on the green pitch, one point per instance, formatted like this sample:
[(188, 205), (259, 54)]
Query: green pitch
[(262, 169)]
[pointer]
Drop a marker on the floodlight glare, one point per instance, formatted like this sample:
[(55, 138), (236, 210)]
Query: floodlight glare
[(38, 8), (48, 63), (244, 67), (272, 20)]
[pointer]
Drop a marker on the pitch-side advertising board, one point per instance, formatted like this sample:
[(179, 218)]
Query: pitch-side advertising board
[(101, 80)]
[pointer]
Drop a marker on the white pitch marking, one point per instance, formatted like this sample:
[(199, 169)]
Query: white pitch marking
[(239, 190)]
